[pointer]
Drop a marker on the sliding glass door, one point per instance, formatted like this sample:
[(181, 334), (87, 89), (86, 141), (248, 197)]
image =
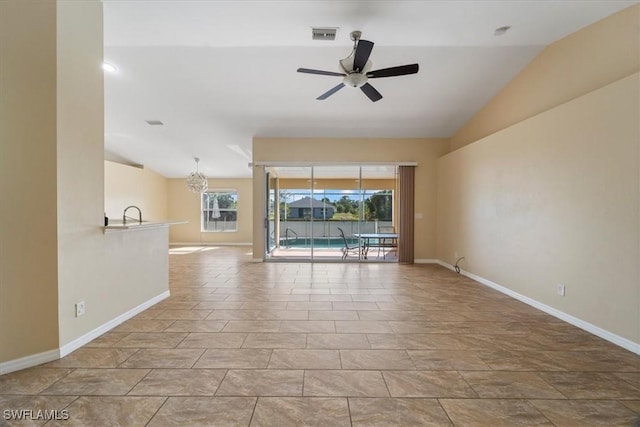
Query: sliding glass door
[(337, 191), (271, 222), (295, 213), (330, 213)]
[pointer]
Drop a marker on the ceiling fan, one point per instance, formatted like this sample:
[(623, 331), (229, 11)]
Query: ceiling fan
[(357, 70)]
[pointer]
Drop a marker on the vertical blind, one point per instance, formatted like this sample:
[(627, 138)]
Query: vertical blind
[(406, 176)]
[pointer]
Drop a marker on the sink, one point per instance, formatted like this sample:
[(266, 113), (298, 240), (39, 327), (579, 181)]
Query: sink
[(129, 221)]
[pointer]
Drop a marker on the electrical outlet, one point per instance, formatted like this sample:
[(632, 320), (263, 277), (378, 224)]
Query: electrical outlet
[(80, 309), (560, 290)]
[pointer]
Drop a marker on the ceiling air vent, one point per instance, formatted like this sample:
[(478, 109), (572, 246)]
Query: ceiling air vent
[(324, 33), (154, 122)]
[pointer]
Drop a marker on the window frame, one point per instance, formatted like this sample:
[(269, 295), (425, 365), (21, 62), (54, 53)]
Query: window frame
[(204, 210)]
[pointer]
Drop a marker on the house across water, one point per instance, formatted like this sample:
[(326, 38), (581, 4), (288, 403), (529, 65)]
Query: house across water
[(302, 209)]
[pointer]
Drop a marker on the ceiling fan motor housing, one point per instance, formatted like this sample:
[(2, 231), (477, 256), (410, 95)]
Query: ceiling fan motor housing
[(355, 79), (356, 70), (346, 65)]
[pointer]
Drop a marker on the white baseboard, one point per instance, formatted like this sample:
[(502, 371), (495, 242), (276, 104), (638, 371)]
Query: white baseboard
[(591, 328), (445, 265), (426, 261), (51, 355), (89, 336), (29, 361)]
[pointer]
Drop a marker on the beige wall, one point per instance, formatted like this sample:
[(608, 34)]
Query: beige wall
[(127, 185), (554, 200), (320, 150), (593, 57), (186, 206), (53, 252), (547, 193), (114, 272), (28, 197)]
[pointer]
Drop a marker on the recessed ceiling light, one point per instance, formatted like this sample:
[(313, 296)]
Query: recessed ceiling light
[(109, 67), (501, 30)]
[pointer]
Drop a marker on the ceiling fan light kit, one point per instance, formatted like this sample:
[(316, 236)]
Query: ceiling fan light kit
[(355, 79), (357, 70)]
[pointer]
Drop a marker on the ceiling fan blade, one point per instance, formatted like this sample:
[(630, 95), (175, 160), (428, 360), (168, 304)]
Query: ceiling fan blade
[(363, 50), (371, 92), (330, 92), (401, 70), (320, 72)]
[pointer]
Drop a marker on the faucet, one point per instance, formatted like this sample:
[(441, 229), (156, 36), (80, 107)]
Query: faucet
[(124, 215)]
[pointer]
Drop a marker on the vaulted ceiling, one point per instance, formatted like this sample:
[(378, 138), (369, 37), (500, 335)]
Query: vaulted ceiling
[(218, 73)]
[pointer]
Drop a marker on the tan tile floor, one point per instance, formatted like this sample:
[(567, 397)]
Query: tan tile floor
[(280, 344)]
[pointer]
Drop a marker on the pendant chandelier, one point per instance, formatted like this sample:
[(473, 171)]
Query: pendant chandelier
[(196, 181)]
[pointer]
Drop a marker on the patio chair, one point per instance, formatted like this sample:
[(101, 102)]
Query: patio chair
[(348, 249), (392, 244)]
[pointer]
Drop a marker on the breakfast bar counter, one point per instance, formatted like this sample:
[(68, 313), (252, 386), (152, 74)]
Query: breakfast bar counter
[(137, 225)]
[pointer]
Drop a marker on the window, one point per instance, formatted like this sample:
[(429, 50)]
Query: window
[(341, 205), (220, 211)]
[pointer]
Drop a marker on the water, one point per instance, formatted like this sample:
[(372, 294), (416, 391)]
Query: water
[(318, 242)]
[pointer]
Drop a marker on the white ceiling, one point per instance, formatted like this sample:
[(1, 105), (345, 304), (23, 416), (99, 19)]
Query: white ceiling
[(218, 73)]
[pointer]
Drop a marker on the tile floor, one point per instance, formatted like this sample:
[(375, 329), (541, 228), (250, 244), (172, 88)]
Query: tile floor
[(286, 344)]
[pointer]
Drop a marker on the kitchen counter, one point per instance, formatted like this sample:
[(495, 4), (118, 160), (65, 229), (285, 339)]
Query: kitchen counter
[(133, 225)]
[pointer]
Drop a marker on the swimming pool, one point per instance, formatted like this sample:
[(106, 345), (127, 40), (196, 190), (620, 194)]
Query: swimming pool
[(318, 242)]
